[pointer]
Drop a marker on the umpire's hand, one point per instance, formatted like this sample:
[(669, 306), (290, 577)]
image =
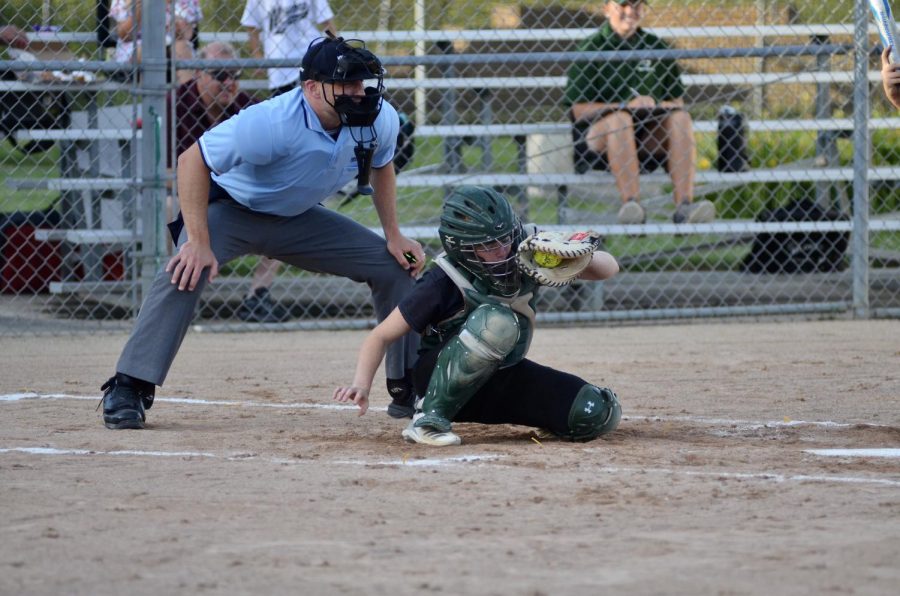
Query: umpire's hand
[(408, 252), (187, 266)]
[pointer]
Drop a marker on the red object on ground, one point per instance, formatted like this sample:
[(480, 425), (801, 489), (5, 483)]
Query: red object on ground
[(29, 265)]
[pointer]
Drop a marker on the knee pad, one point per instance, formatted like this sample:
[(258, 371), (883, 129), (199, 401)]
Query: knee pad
[(490, 332), (595, 411)]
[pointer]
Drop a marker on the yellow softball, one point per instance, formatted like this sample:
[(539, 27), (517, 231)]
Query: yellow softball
[(546, 259)]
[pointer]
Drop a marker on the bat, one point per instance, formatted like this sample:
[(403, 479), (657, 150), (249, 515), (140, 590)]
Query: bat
[(887, 27)]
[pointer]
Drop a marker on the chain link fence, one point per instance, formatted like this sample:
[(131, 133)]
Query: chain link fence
[(788, 137)]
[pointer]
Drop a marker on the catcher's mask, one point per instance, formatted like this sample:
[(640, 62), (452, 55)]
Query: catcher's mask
[(338, 60), (479, 220)]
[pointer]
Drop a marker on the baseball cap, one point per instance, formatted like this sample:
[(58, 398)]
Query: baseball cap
[(624, 2), (332, 59)]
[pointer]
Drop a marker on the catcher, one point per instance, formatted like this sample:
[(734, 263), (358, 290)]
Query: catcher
[(475, 311)]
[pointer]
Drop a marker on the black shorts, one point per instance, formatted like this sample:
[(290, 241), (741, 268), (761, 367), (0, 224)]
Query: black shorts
[(527, 393), (586, 160)]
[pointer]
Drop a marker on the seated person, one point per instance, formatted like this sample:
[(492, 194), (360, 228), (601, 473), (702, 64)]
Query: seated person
[(209, 98), (475, 311), (12, 36), (629, 116), (890, 77)]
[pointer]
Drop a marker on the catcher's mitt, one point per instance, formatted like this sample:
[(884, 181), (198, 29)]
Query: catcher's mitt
[(556, 259)]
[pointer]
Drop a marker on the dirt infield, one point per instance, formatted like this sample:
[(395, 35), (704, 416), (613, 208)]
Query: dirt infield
[(710, 485)]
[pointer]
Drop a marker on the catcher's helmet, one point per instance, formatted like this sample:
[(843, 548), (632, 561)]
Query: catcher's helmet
[(478, 218), (338, 60)]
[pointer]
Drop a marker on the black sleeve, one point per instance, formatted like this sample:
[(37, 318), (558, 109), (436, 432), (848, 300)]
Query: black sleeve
[(433, 299)]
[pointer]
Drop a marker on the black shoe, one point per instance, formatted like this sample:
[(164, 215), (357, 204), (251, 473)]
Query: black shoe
[(123, 406), (403, 398), (404, 409), (260, 308)]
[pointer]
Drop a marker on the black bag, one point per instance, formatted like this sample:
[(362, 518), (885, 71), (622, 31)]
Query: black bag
[(795, 252), (406, 143), (731, 141)]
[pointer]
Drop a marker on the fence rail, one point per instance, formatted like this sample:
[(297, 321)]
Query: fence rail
[(481, 119)]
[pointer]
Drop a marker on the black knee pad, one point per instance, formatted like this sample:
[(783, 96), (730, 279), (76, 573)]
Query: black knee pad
[(595, 411)]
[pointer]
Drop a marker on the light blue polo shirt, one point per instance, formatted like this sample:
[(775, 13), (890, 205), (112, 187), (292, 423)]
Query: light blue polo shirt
[(275, 157)]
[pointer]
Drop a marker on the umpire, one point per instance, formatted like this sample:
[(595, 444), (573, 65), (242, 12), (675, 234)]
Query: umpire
[(253, 185)]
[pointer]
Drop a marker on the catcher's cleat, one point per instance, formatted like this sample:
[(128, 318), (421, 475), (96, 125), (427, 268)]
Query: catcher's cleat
[(123, 406), (428, 435)]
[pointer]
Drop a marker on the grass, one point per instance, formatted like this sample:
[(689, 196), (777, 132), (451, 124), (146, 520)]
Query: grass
[(15, 164)]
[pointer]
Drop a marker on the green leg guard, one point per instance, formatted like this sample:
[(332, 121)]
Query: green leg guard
[(595, 411), (467, 362)]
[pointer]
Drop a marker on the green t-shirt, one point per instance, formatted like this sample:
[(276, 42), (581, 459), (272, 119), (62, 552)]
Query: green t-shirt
[(615, 82)]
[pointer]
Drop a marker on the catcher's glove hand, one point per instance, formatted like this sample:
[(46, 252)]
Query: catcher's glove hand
[(556, 259)]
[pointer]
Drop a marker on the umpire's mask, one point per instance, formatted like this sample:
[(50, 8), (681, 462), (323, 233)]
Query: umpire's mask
[(339, 60)]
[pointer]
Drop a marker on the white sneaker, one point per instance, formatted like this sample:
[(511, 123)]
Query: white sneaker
[(427, 435), (700, 212), (631, 212)]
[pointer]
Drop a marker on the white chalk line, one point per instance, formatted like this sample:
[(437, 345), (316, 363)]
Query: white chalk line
[(406, 461), (774, 477), (54, 451), (888, 452), (738, 424), (465, 459)]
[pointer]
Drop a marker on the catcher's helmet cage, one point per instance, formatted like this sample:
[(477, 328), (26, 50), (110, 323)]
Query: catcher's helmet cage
[(338, 60), (478, 217)]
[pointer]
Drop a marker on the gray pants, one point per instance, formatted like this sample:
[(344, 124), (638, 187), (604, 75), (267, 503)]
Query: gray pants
[(318, 240)]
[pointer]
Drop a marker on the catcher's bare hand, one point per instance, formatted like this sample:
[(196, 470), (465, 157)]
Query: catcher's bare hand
[(187, 266), (409, 253), (358, 395)]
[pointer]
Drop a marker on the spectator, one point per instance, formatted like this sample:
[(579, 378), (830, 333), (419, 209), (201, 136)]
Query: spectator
[(286, 28), (181, 21), (254, 184), (632, 114), (211, 97), (890, 77), (12, 36)]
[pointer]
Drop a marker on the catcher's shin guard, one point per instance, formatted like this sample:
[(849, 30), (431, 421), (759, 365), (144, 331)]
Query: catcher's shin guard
[(595, 411), (466, 362)]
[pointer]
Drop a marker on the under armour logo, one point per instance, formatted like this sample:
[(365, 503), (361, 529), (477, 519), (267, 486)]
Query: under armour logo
[(589, 407)]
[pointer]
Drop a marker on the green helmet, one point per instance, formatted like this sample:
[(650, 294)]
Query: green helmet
[(478, 218)]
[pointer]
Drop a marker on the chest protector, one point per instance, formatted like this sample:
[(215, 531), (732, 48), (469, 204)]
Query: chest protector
[(475, 294)]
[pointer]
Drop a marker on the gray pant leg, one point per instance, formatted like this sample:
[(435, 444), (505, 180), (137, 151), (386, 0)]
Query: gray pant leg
[(327, 242), (166, 312)]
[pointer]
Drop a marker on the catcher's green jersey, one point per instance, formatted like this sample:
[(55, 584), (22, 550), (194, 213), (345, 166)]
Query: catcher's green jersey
[(475, 294)]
